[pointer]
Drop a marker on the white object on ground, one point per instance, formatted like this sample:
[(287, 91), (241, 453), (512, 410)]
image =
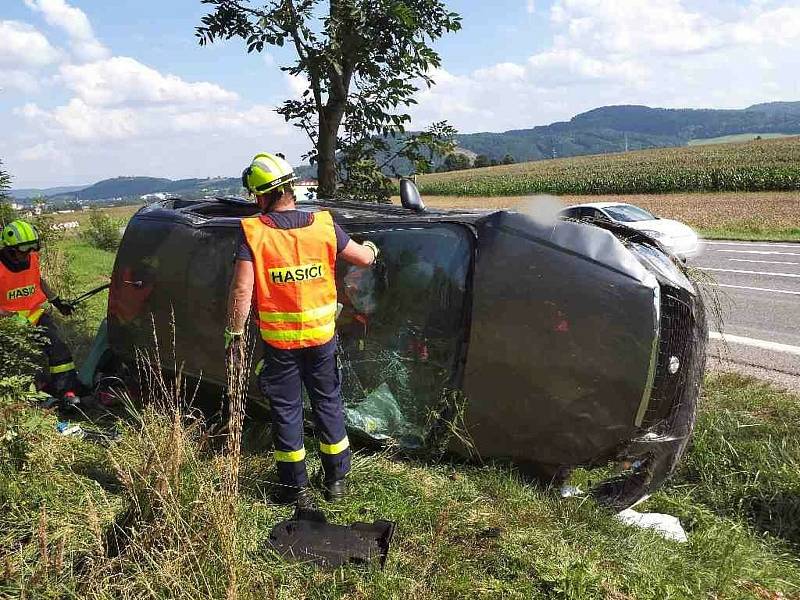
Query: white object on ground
[(667, 526), (569, 491)]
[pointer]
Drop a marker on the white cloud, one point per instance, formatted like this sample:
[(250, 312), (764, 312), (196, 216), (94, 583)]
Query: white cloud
[(24, 52), (74, 22), (122, 80), (23, 46), (79, 122), (297, 84), (702, 53), (123, 116), (530, 7), (38, 152)]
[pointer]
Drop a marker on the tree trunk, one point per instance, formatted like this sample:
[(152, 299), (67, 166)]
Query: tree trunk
[(329, 121)]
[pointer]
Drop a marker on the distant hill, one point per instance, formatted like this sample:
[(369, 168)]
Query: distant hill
[(615, 128), (23, 193), (598, 131), (133, 187)]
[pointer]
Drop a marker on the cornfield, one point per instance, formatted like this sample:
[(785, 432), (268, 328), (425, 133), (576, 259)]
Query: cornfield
[(763, 165)]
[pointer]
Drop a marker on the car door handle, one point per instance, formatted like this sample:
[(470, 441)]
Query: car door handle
[(136, 284)]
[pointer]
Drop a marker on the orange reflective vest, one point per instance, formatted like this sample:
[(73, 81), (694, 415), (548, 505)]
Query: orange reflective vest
[(295, 282), (21, 292)]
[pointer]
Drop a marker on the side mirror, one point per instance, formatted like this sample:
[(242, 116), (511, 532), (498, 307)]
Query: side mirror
[(409, 196)]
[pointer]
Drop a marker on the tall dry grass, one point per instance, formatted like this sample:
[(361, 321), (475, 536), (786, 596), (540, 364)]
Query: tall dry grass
[(177, 534)]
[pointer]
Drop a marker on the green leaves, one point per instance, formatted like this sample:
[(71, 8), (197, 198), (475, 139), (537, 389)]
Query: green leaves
[(364, 61)]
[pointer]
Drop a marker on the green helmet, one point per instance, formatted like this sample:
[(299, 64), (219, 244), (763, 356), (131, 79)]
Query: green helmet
[(19, 234), (266, 173)]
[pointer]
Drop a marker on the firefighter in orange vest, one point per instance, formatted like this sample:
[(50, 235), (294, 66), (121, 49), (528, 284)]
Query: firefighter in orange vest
[(24, 295), (285, 269)]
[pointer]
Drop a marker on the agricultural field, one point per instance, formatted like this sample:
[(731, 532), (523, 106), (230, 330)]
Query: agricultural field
[(727, 215), (764, 165)]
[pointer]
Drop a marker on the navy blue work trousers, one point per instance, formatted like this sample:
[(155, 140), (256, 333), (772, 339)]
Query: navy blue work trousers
[(283, 373), (63, 377)]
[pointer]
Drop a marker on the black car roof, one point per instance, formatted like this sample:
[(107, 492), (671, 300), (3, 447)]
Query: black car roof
[(343, 211)]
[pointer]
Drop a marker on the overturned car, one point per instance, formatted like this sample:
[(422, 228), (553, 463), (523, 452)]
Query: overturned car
[(553, 346)]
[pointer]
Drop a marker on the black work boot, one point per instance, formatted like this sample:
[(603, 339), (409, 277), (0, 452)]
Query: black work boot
[(335, 490), (302, 497)]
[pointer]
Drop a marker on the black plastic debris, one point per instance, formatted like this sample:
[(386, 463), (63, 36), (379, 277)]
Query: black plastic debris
[(308, 537)]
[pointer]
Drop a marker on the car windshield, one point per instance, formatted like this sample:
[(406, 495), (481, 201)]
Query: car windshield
[(627, 213)]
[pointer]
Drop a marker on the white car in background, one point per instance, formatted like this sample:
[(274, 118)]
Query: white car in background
[(677, 237)]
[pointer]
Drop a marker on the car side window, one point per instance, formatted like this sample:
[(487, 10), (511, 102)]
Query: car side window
[(401, 328), (570, 213)]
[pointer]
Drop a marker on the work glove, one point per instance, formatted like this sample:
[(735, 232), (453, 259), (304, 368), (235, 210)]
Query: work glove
[(374, 248), (232, 337), (19, 319), (65, 308)]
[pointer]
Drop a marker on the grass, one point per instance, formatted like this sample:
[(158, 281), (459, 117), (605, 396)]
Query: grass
[(477, 531), (764, 165), (724, 215), (115, 212)]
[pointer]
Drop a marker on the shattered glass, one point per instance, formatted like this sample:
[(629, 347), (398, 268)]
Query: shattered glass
[(401, 328)]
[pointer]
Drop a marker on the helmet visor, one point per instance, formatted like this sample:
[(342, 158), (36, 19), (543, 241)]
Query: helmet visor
[(27, 247)]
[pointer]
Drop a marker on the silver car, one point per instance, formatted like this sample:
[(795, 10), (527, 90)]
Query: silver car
[(677, 237)]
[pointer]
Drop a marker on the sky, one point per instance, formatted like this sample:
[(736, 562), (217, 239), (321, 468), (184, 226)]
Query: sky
[(91, 89)]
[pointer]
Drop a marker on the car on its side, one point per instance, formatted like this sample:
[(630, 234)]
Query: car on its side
[(677, 237), (483, 333)]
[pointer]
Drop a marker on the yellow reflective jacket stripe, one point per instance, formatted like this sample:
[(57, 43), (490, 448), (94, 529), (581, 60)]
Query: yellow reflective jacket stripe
[(314, 314), (299, 335), (290, 455), (70, 366), (35, 316), (334, 448), (32, 316)]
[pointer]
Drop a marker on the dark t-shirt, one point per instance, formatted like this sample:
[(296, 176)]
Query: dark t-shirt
[(290, 219), (12, 265)]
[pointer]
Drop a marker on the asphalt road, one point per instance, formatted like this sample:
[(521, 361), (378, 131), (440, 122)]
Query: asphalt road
[(758, 285)]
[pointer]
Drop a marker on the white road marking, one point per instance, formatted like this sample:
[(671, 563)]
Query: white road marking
[(763, 344), (755, 289), (761, 252), (769, 244), (763, 262), (751, 272)]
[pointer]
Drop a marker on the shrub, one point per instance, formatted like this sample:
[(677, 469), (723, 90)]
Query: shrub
[(102, 232), (20, 348)]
